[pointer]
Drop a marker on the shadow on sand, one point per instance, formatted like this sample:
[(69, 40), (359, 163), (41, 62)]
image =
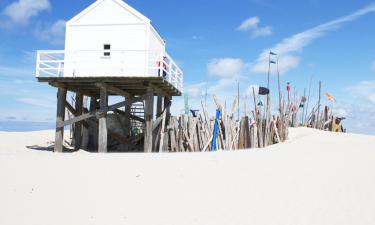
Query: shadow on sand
[(48, 148)]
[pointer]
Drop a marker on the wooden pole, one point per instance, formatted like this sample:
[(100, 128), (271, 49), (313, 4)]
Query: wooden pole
[(103, 136), (320, 90), (78, 125), (59, 136), (94, 138), (149, 111), (159, 106), (127, 121)]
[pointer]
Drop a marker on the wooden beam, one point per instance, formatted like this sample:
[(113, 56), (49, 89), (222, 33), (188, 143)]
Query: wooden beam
[(70, 108), (115, 90), (59, 136), (159, 106), (133, 117), (99, 112), (149, 111), (78, 125), (103, 136)]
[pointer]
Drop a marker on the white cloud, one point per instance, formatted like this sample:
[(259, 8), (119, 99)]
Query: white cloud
[(225, 67), (196, 90), (262, 31), (286, 63), (252, 24), (371, 98), (51, 33), (197, 37), (249, 90), (249, 23), (15, 72), (295, 44), (44, 102), (21, 11)]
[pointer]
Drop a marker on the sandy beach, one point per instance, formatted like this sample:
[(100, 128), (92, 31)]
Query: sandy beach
[(314, 178)]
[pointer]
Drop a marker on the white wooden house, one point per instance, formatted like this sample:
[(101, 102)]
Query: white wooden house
[(111, 49), (110, 39)]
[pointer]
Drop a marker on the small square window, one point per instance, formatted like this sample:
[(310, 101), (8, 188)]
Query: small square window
[(107, 50)]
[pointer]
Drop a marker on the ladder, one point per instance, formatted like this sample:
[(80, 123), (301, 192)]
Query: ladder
[(137, 109)]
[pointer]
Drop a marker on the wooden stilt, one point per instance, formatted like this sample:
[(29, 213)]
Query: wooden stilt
[(127, 118), (59, 136), (85, 132), (149, 111), (78, 125), (103, 121), (159, 106), (95, 133)]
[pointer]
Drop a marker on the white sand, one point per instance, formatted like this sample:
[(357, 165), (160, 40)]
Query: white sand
[(315, 178)]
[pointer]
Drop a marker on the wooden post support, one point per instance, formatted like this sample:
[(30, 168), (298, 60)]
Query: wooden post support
[(167, 107), (149, 111), (159, 106), (103, 121), (78, 125), (127, 118), (59, 136)]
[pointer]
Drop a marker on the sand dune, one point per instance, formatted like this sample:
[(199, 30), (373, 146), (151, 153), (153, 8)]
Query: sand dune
[(313, 178)]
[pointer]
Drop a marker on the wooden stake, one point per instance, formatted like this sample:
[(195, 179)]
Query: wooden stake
[(320, 90)]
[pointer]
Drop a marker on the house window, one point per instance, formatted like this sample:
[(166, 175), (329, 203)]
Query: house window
[(107, 50)]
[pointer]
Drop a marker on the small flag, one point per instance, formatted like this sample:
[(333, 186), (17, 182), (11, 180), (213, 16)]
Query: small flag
[(303, 99), (330, 97), (288, 87), (263, 91), (272, 62), (272, 53)]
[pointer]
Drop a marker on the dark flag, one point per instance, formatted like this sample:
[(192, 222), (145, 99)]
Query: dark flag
[(263, 91)]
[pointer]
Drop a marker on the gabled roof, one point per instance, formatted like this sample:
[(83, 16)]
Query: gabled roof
[(120, 3)]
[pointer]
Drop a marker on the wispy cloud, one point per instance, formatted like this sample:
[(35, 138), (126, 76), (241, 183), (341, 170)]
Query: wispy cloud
[(6, 71), (51, 33), (46, 102), (290, 46), (197, 37), (364, 91), (21, 11), (252, 25), (225, 67)]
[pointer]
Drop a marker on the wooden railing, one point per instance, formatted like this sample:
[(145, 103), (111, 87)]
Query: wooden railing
[(56, 63)]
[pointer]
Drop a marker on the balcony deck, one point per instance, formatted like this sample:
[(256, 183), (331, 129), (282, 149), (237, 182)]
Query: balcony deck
[(131, 71), (132, 85)]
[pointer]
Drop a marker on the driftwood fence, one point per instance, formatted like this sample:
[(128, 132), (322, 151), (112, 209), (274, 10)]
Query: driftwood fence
[(196, 132)]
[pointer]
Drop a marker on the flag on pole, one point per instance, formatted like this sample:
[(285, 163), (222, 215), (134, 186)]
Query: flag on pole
[(272, 62), (288, 87), (330, 97), (272, 53)]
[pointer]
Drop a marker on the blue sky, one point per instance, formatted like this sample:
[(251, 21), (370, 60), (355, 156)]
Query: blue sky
[(217, 43)]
